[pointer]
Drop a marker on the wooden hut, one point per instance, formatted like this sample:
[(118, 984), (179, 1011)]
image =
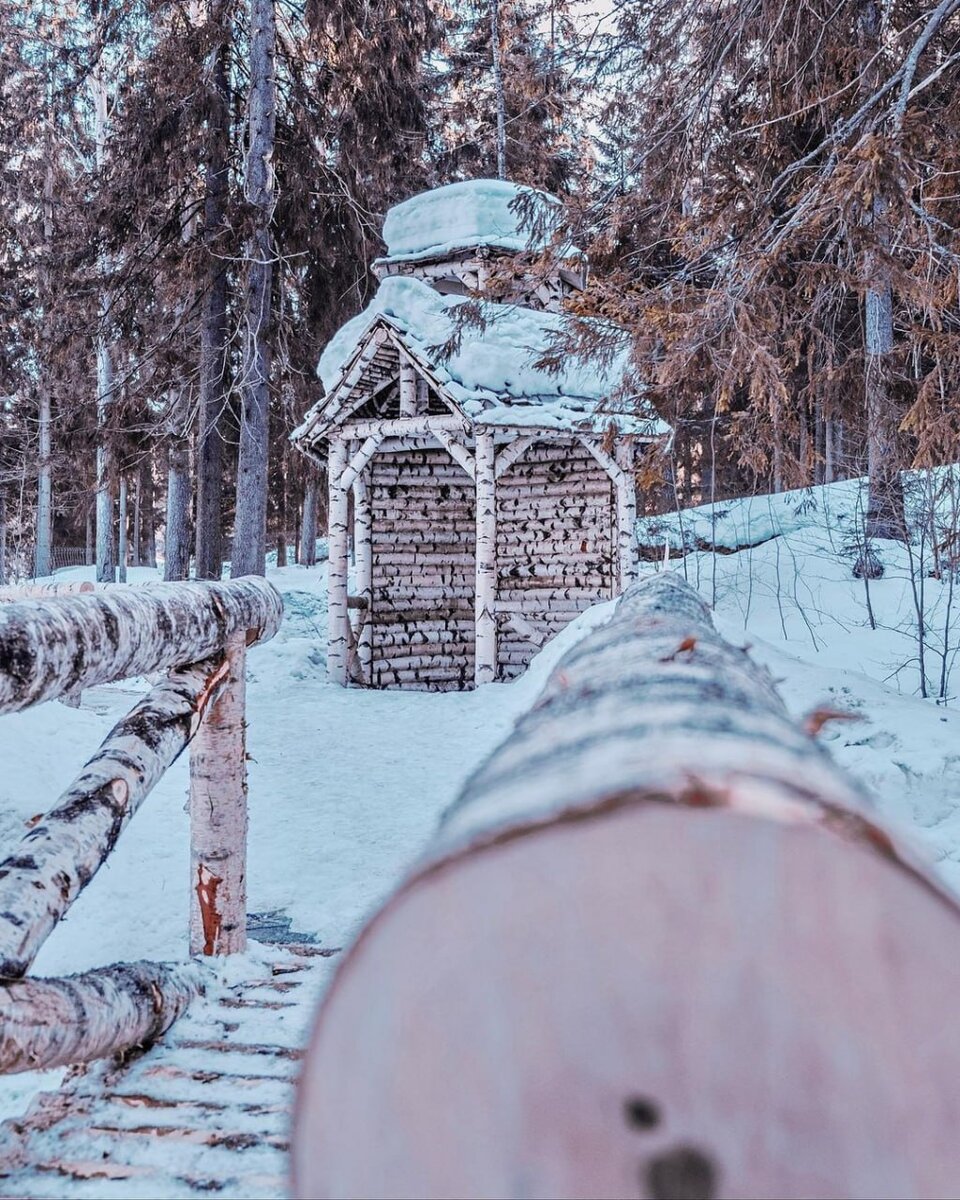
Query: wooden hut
[(487, 501)]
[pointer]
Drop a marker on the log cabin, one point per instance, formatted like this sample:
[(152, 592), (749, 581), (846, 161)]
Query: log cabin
[(487, 499)]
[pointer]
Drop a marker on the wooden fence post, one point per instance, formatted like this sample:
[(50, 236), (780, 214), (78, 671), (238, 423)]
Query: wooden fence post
[(218, 817)]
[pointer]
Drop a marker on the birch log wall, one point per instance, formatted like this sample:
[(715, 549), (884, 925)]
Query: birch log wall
[(555, 546), (696, 965), (50, 648), (471, 547)]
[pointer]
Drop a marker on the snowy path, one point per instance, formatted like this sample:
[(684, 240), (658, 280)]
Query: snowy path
[(207, 1110)]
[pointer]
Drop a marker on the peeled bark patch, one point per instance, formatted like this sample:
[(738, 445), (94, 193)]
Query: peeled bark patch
[(659, 947)]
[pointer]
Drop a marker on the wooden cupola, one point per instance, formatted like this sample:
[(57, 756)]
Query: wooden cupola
[(492, 500), (482, 237)]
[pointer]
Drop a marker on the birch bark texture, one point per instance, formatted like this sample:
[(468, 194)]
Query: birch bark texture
[(218, 816), (337, 614), (58, 857), (249, 543), (486, 577), (696, 964), (72, 642), (60, 1022)]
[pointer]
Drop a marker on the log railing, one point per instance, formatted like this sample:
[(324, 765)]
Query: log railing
[(197, 633), (660, 946)]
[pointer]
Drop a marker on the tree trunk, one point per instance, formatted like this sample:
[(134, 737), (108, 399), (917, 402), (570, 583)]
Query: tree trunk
[(122, 548), (136, 526), (884, 514), (485, 668), (43, 563), (3, 539), (89, 554), (707, 900), (58, 857), (308, 530), (106, 553), (66, 645), (498, 93), (147, 513), (282, 507), (338, 616), (250, 526), (214, 331), (177, 551)]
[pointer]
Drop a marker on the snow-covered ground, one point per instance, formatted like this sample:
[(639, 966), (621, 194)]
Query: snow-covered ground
[(346, 785)]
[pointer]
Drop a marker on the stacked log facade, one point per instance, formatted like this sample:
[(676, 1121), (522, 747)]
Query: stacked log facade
[(556, 547), (423, 509), (438, 572)]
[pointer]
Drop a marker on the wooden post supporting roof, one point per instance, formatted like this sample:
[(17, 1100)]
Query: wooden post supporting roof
[(338, 514), (485, 668), (363, 542), (408, 388), (627, 514)]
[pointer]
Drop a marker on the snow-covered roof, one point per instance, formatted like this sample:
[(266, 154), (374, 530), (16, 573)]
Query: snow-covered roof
[(462, 216), (491, 377)]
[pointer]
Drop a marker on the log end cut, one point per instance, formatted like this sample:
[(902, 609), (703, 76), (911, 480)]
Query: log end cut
[(648, 1000)]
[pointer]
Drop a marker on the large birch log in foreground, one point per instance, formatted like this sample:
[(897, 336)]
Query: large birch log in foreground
[(74, 642), (59, 1022), (660, 947)]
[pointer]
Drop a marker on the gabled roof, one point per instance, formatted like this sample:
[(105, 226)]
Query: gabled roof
[(491, 377)]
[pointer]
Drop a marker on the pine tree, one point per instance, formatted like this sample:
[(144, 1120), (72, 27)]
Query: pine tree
[(777, 230)]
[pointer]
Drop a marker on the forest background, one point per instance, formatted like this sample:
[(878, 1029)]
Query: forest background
[(192, 193)]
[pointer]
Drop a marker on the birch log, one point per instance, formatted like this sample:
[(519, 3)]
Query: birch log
[(73, 642), (363, 535), (408, 389), (338, 642), (60, 1022), (486, 571), (218, 816), (626, 515), (57, 858), (696, 966)]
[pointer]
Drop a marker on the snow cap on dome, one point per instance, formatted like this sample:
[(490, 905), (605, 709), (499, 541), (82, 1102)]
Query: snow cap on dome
[(460, 216)]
